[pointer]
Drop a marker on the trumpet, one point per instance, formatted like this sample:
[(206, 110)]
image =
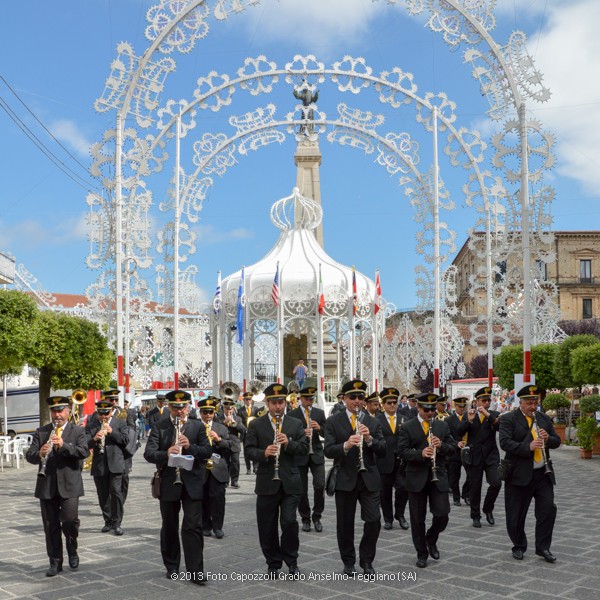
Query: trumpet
[(42, 471), (434, 477), (278, 444), (547, 469), (361, 457)]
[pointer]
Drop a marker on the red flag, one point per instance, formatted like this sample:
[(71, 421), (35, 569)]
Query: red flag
[(354, 292), (377, 300), (321, 306)]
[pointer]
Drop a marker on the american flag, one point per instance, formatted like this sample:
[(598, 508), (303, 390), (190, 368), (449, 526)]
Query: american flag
[(240, 309), (377, 299), (275, 290)]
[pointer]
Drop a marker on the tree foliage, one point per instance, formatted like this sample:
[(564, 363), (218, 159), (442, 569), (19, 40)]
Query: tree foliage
[(509, 362), (563, 366), (18, 312), (478, 367), (70, 352), (585, 362)]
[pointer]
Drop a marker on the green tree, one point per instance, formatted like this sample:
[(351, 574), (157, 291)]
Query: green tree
[(70, 352), (585, 362), (563, 367), (18, 312), (510, 362)]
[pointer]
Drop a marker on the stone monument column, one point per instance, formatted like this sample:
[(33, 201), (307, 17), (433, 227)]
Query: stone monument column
[(308, 178)]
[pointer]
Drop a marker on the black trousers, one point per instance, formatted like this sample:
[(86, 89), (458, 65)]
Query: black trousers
[(439, 505), (110, 497), (475, 484), (249, 463), (191, 534), (280, 507), (318, 481), (60, 515), (213, 504), (125, 486), (233, 466), (517, 500), (345, 508), (393, 495), (454, 472)]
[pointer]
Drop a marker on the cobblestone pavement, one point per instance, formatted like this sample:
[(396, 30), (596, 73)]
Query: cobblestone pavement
[(474, 563)]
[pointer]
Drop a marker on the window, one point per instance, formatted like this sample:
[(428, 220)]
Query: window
[(500, 271), (541, 270), (586, 308), (585, 270)]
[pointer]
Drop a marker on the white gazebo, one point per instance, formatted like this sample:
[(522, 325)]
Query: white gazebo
[(297, 302)]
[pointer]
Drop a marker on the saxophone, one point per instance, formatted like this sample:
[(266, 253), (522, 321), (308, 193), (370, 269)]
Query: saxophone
[(42, 471)]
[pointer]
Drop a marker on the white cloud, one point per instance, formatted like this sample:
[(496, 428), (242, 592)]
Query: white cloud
[(566, 51), (67, 131), (320, 24), (209, 234)]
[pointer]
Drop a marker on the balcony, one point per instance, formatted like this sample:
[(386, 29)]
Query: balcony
[(572, 281)]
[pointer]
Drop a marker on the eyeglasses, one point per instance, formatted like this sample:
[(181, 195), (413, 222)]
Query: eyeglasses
[(391, 401), (428, 410), (355, 396), (206, 411)]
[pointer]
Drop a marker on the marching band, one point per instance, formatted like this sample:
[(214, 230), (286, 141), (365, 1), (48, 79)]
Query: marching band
[(386, 454)]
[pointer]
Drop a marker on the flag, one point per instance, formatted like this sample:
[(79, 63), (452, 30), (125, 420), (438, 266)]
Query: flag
[(321, 305), (354, 293), (217, 298), (240, 310), (275, 290), (377, 299)]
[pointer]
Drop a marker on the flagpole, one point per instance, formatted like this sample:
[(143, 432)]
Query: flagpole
[(351, 358), (280, 373), (320, 350), (436, 258), (176, 257), (375, 343)]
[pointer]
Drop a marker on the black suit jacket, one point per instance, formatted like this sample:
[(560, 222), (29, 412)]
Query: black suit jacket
[(412, 441), (338, 429), (112, 461), (237, 431), (220, 471), (261, 434), (458, 428), (515, 437), (482, 440), (63, 468), (316, 414), (389, 461), (154, 415), (162, 437)]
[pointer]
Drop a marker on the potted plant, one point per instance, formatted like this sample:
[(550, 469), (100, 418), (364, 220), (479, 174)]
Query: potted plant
[(589, 405), (552, 404), (586, 434)]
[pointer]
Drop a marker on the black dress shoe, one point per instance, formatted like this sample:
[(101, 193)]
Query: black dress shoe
[(206, 532), (318, 525), (457, 503), (273, 573), (387, 525), (477, 522), (421, 563), (106, 528), (219, 534), (466, 501), (199, 578), (294, 570), (118, 531), (170, 574), (305, 524), (368, 569), (349, 570), (518, 554), (55, 567), (248, 472), (433, 551), (73, 560), (546, 555), (235, 486), (490, 518), (403, 523)]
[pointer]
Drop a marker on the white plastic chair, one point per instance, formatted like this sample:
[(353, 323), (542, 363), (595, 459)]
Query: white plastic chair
[(25, 440), (13, 450)]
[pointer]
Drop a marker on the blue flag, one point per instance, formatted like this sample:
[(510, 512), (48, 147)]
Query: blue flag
[(240, 311)]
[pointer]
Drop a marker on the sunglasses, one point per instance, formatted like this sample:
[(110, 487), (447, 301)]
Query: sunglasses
[(355, 396), (428, 410), (207, 411), (391, 402)]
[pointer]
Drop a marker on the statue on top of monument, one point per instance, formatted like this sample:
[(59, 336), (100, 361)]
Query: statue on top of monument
[(308, 98)]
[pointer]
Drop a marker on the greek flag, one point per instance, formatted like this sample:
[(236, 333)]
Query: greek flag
[(240, 311)]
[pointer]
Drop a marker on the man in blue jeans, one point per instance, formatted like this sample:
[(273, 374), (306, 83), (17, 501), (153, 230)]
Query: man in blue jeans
[(300, 371)]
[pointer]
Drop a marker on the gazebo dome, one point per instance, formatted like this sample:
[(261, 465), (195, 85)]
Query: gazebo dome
[(300, 258)]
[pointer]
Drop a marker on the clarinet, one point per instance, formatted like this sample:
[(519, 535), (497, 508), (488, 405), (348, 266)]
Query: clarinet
[(547, 469), (42, 471), (361, 459), (277, 425), (310, 443), (103, 438), (434, 477), (178, 428)]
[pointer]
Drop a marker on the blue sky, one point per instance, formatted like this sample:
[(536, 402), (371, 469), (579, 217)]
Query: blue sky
[(57, 57)]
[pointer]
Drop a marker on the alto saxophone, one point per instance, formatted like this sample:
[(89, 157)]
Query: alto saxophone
[(42, 471), (276, 442)]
